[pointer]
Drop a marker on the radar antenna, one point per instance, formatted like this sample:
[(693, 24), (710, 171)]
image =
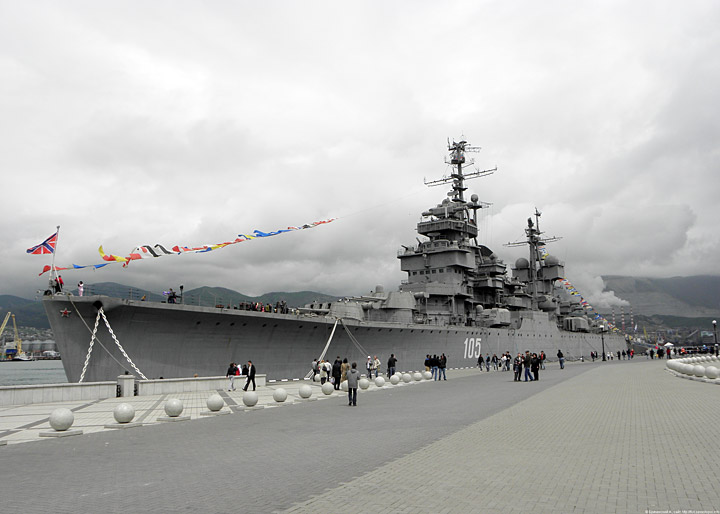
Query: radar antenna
[(536, 244), (457, 162)]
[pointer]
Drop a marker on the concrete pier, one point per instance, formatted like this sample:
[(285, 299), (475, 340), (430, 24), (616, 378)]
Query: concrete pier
[(622, 436)]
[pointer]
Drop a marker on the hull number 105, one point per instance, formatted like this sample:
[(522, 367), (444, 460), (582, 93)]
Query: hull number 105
[(472, 347)]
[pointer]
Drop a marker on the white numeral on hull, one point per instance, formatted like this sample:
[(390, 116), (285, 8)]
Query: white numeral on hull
[(472, 347)]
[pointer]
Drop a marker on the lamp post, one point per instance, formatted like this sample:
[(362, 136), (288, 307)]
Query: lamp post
[(181, 293), (602, 338), (715, 334)]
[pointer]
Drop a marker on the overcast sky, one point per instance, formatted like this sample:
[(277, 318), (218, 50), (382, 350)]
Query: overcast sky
[(177, 122)]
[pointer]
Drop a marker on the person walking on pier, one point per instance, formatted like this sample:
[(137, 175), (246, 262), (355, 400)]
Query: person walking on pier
[(527, 361), (392, 362), (561, 359), (481, 361), (337, 372), (352, 379), (250, 376), (542, 359), (232, 372)]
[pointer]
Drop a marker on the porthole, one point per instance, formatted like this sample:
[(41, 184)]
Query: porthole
[(264, 325), (197, 323), (232, 324)]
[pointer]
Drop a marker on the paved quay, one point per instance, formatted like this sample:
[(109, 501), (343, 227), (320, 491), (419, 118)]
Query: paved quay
[(605, 437)]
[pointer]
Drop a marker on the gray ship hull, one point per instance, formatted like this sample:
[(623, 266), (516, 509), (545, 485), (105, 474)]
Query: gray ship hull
[(173, 341)]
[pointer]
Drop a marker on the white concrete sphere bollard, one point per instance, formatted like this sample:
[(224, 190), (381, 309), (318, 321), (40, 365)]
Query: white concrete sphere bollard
[(364, 383), (305, 391), (214, 402), (327, 388), (250, 398), (173, 407), (687, 369), (124, 413), (406, 378), (379, 382), (344, 386), (316, 378), (417, 376), (280, 395), (395, 380), (61, 419), (712, 372), (699, 371), (426, 375)]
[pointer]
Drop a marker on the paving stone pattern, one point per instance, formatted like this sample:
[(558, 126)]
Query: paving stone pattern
[(620, 438), (613, 437)]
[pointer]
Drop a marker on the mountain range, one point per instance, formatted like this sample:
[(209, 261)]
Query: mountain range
[(685, 301)]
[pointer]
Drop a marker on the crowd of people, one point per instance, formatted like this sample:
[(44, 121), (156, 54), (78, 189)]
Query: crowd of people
[(280, 307), (505, 360), (436, 365)]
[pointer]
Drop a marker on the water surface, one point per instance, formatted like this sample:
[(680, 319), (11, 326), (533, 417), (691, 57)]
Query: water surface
[(32, 372)]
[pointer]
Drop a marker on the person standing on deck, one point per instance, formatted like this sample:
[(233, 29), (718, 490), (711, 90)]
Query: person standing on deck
[(376, 366)]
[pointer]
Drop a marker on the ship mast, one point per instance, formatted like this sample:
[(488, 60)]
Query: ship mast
[(457, 178), (536, 245)]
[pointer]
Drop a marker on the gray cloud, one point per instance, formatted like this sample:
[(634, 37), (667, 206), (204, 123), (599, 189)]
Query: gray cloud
[(137, 124)]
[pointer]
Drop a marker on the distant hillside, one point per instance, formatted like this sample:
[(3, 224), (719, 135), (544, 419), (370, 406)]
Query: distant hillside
[(210, 296), (28, 313), (692, 297)]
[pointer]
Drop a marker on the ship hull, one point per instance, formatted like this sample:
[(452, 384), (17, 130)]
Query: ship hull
[(174, 341)]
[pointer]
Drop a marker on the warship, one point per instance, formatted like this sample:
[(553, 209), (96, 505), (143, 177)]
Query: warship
[(458, 299)]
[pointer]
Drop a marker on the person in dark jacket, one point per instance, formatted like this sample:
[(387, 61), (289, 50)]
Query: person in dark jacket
[(392, 362), (231, 374), (481, 361), (441, 367), (250, 376), (517, 367), (337, 372), (535, 365), (527, 361)]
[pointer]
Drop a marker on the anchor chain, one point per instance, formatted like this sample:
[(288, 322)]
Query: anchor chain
[(101, 312), (92, 342)]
